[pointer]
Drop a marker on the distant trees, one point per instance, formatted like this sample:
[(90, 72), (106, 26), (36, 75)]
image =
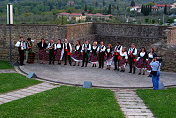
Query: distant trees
[(165, 9), (132, 3), (146, 9)]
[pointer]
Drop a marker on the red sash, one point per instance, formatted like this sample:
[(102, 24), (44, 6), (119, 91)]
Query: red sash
[(68, 53)]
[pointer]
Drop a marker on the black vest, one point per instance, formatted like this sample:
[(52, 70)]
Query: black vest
[(68, 47)]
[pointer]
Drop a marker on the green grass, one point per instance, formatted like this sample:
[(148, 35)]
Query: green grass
[(13, 81), (161, 102), (64, 102), (5, 65)]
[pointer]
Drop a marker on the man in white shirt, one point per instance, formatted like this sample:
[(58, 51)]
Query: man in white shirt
[(132, 53), (51, 47), (67, 50), (21, 45), (101, 52), (117, 50), (86, 48)]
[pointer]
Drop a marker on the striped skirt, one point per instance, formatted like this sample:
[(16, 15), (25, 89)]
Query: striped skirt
[(42, 54), (77, 56), (58, 54), (94, 58), (141, 63), (122, 62)]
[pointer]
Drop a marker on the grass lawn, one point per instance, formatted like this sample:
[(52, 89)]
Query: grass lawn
[(5, 65), (13, 81), (64, 102), (161, 102)]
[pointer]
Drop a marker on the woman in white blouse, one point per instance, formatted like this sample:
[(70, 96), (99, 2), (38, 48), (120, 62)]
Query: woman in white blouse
[(123, 57), (58, 48)]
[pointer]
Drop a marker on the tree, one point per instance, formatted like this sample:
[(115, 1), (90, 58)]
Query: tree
[(109, 9), (165, 9), (104, 3), (132, 3), (85, 8)]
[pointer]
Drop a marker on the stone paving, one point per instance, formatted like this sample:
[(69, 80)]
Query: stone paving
[(131, 105), (21, 93), (7, 71), (76, 75)]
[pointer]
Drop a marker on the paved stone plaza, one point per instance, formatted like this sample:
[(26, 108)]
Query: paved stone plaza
[(99, 77)]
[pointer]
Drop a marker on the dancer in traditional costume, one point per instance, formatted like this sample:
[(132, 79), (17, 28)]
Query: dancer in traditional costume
[(123, 58), (51, 48), (58, 49), (101, 54), (94, 55), (151, 56), (28, 48), (21, 45), (141, 62), (117, 50), (77, 57), (132, 53), (85, 52), (42, 50), (109, 56), (67, 50)]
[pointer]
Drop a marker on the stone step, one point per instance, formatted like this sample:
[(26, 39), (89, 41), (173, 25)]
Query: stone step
[(131, 103), (138, 114), (136, 110), (129, 100), (133, 106)]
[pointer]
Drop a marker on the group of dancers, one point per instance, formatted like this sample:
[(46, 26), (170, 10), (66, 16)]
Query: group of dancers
[(95, 54)]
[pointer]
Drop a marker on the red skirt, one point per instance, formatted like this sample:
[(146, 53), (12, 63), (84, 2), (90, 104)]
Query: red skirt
[(42, 54), (122, 62), (94, 58), (141, 63), (149, 68), (58, 54), (77, 56)]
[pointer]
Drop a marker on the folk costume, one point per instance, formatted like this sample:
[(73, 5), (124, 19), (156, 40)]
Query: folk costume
[(67, 50), (42, 50), (94, 56), (58, 49), (21, 49), (117, 51), (141, 62), (151, 56), (28, 49), (109, 57), (132, 52), (123, 61), (51, 47), (86, 48), (101, 55), (77, 57)]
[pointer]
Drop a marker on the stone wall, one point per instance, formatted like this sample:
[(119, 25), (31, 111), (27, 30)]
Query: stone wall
[(171, 35), (36, 32), (141, 35)]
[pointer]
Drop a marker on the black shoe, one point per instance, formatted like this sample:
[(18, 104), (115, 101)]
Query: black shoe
[(115, 68), (95, 65), (143, 74), (139, 74), (82, 66), (121, 71), (65, 64), (74, 65), (130, 72)]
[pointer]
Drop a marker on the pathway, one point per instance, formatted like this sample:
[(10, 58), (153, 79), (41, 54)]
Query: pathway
[(7, 71), (132, 105), (21, 93)]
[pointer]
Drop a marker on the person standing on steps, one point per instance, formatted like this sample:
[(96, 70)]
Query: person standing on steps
[(86, 48), (21, 45), (132, 52), (51, 47), (117, 50), (101, 54), (67, 50)]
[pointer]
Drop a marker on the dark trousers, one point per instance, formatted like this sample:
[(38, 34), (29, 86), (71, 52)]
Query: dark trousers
[(101, 60), (51, 56), (66, 56), (21, 53), (85, 59), (131, 63), (116, 61)]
